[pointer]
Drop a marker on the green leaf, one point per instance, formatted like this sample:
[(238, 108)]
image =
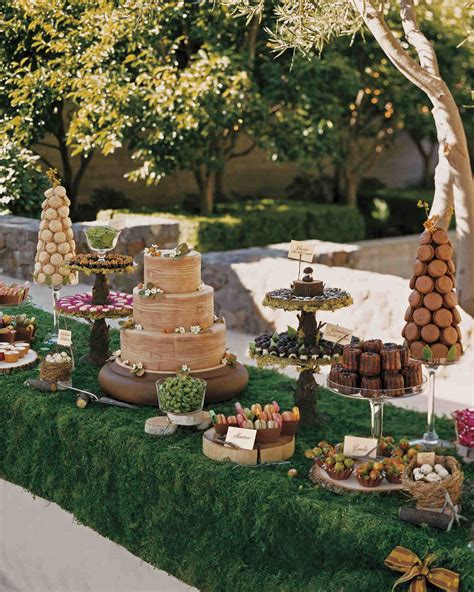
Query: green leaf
[(427, 354), (452, 353), (292, 332)]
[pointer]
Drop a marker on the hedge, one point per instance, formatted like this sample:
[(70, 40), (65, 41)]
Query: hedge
[(266, 222), (218, 527)]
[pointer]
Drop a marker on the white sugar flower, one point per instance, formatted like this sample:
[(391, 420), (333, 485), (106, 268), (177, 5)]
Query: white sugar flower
[(185, 368), (173, 254), (117, 353), (147, 292), (201, 286), (195, 329), (138, 327), (180, 330)]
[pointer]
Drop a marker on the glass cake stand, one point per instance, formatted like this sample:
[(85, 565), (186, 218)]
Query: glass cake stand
[(430, 438), (376, 403)]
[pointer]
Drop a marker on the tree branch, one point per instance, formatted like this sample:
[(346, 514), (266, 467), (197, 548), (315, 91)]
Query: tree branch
[(44, 159), (244, 152), (47, 145), (417, 39)]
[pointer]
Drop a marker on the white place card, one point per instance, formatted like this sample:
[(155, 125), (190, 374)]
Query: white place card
[(301, 251), (355, 447), (425, 458), (65, 337), (337, 334), (241, 437)]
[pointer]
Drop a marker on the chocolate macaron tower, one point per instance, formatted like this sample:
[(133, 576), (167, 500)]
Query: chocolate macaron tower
[(432, 319)]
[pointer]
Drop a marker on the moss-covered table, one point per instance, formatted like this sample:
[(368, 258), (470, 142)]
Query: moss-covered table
[(217, 526)]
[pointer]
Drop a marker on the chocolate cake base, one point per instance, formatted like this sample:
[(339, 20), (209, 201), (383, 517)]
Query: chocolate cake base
[(223, 383)]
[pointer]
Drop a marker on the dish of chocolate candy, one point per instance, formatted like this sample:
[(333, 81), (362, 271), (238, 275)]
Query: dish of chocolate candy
[(374, 369), (113, 261), (286, 345)]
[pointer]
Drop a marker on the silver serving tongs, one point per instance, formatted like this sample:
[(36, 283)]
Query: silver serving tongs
[(85, 397)]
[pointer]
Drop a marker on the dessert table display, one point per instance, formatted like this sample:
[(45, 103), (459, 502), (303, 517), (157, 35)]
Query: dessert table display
[(103, 303), (173, 329), (56, 247), (148, 491), (304, 347)]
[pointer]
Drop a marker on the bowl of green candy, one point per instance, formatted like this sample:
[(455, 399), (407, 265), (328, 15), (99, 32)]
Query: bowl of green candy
[(101, 239), (181, 397)]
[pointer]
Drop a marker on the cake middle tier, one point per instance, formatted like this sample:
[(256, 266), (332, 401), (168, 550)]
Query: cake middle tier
[(167, 352), (169, 311)]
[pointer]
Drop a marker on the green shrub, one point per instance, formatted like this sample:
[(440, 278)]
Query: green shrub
[(22, 183), (252, 224)]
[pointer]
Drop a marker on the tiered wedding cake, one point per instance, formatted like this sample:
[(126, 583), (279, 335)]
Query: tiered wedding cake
[(173, 326)]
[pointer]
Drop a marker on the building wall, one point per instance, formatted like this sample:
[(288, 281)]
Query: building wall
[(252, 174)]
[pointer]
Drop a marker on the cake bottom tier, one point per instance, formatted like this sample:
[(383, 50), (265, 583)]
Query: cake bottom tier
[(167, 352), (223, 383)]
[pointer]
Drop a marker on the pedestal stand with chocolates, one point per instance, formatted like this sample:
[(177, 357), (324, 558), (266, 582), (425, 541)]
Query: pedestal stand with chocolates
[(376, 371), (305, 346)]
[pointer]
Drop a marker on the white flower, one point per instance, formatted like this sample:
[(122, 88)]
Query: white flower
[(180, 330), (195, 329), (201, 286), (64, 355), (126, 362), (185, 368), (216, 318), (147, 292), (137, 366), (117, 353), (138, 327), (173, 254)]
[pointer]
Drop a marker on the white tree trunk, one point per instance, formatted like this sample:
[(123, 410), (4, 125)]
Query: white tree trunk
[(453, 176)]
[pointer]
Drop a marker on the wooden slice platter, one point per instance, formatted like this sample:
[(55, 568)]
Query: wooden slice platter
[(22, 364), (319, 477), (281, 450)]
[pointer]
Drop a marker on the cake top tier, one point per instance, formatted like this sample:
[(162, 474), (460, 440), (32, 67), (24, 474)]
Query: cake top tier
[(173, 274)]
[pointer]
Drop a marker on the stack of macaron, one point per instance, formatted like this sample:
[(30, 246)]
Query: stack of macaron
[(12, 353), (119, 304), (432, 318), (56, 245)]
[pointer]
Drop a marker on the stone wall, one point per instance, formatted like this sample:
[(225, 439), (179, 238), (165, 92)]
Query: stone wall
[(18, 238)]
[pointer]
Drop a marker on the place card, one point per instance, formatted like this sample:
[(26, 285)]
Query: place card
[(337, 334), (425, 458), (241, 437), (301, 251), (354, 446), (65, 337)]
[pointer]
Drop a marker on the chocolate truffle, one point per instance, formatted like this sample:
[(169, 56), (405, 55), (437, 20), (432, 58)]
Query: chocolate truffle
[(421, 316), (430, 333), (439, 350), (449, 336), (433, 301), (442, 318), (419, 267), (456, 316), (425, 284), (412, 332), (416, 349), (437, 268), (450, 299), (415, 299), (425, 252), (425, 237), (444, 252), (443, 284), (440, 237)]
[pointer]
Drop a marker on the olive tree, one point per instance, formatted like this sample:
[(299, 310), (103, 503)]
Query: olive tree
[(309, 24)]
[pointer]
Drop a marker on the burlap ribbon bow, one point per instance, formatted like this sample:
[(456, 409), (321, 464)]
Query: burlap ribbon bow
[(418, 571)]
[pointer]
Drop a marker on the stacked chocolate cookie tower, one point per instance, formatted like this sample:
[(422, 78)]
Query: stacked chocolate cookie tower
[(432, 318), (375, 368)]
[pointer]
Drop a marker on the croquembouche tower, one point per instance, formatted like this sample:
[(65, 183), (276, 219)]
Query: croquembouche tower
[(173, 328)]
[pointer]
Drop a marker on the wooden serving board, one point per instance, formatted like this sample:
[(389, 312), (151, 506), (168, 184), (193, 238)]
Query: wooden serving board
[(23, 363), (320, 477), (281, 450)]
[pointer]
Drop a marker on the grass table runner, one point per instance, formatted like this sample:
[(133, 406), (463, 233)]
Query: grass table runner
[(219, 527)]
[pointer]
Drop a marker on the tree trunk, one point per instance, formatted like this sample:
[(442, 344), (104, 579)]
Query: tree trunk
[(305, 396), (220, 189), (352, 185), (207, 194), (453, 176)]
